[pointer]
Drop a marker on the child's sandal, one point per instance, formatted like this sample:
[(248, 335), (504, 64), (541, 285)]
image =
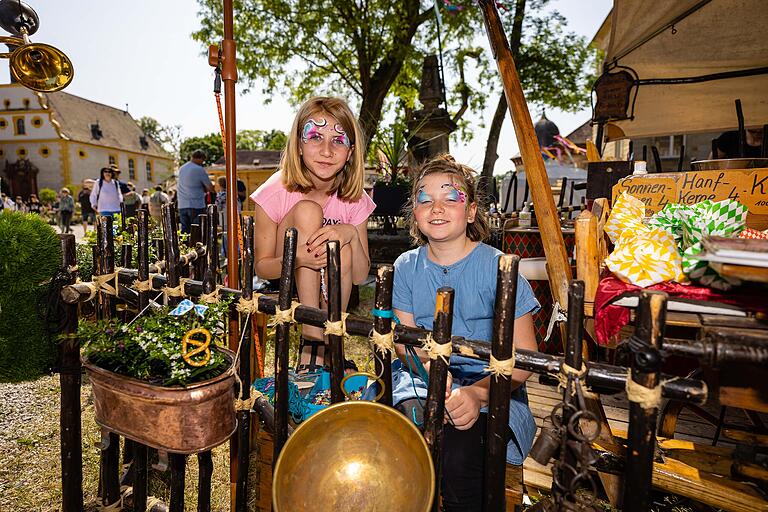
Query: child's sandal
[(312, 366)]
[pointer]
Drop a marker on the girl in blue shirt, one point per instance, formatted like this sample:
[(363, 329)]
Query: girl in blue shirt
[(449, 228)]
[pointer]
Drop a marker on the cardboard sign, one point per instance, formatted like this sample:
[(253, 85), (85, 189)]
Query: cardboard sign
[(748, 186)]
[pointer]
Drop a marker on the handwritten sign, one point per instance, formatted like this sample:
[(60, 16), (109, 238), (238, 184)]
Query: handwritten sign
[(748, 186), (655, 190)]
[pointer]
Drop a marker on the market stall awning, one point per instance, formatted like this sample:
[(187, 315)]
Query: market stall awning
[(672, 49)]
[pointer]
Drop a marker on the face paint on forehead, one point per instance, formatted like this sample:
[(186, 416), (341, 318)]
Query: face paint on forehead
[(343, 138), (455, 192), (311, 128)]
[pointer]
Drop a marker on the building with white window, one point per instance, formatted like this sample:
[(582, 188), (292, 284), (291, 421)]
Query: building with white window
[(57, 139)]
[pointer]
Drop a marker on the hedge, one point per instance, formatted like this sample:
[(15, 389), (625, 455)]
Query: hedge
[(30, 255)]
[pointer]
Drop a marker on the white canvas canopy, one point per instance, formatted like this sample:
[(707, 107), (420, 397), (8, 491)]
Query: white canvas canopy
[(681, 39)]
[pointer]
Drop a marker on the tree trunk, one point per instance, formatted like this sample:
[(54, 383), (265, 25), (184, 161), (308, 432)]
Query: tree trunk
[(489, 163)]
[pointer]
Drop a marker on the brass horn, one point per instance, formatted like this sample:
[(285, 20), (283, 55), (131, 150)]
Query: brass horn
[(37, 66), (354, 457)]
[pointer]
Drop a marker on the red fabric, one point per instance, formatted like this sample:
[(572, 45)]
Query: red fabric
[(754, 234), (609, 319)]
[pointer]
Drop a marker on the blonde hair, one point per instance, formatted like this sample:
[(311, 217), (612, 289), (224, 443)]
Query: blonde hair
[(348, 184), (478, 230), (65, 189)]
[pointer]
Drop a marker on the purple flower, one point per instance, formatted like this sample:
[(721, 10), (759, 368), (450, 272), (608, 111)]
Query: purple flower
[(138, 328), (110, 331), (121, 345)]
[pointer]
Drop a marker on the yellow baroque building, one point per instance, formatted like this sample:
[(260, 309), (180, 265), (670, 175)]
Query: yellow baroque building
[(52, 140)]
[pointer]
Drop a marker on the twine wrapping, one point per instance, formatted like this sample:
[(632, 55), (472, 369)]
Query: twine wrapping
[(144, 286), (501, 368), (114, 507), (152, 501), (175, 291), (435, 349), (249, 307), (285, 316), (648, 398), (102, 282), (211, 298), (246, 405), (569, 371), (93, 290), (383, 342), (337, 328)]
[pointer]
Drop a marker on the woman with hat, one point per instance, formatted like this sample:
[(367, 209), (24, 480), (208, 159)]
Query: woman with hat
[(106, 196)]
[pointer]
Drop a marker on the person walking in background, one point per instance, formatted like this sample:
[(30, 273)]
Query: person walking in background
[(106, 196), (192, 185), (131, 200), (145, 198), (8, 203), (156, 202), (66, 209), (86, 210), (34, 204)]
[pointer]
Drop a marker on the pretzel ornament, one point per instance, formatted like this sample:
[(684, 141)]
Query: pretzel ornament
[(201, 347)]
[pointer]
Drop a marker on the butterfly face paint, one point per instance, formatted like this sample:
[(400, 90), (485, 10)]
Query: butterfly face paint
[(422, 197), (311, 130), (455, 193), (341, 138)]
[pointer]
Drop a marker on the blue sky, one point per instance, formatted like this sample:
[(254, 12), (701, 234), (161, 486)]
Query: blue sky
[(140, 53)]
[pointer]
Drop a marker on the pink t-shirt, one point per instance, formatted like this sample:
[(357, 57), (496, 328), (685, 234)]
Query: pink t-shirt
[(276, 202)]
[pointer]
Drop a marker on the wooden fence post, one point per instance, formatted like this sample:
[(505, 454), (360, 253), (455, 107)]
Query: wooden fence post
[(383, 325), (244, 416), (282, 335), (646, 363), (335, 342), (69, 379), (434, 410), (501, 385)]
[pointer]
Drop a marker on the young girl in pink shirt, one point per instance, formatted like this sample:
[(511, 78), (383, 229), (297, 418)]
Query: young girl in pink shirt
[(319, 191)]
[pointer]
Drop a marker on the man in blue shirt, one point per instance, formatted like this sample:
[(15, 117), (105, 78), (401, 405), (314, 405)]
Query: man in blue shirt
[(192, 184)]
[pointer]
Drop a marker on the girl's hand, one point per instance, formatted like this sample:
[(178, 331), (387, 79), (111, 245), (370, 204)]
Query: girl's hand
[(310, 260), (344, 233), (464, 407)]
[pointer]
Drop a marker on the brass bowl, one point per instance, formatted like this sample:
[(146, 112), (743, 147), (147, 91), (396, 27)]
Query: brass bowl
[(357, 457)]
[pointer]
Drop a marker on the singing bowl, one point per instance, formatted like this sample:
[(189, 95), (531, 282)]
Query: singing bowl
[(356, 457)]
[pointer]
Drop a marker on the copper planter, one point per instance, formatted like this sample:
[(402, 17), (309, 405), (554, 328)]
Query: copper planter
[(175, 419)]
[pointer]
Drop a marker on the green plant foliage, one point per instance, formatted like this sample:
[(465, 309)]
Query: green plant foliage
[(150, 348), (30, 254), (47, 195)]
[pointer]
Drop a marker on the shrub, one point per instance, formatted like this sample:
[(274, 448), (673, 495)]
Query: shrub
[(30, 255), (47, 196)]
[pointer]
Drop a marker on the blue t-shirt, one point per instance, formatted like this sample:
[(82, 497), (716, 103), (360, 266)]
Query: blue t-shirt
[(192, 185), (473, 279)]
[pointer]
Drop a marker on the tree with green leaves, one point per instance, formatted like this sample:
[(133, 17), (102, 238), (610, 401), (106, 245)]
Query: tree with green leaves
[(371, 51), (167, 136)]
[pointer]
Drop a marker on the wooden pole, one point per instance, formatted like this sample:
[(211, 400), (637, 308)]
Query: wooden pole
[(282, 336), (229, 76), (434, 409), (142, 258), (139, 474), (195, 238), (244, 416), (105, 309), (204, 476), (210, 278), (70, 421), (382, 325), (573, 358), (178, 462), (641, 438), (559, 270), (501, 386), (202, 264), (335, 342)]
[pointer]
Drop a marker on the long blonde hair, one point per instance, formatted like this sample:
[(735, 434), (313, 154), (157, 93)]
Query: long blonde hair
[(478, 230), (348, 184)]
